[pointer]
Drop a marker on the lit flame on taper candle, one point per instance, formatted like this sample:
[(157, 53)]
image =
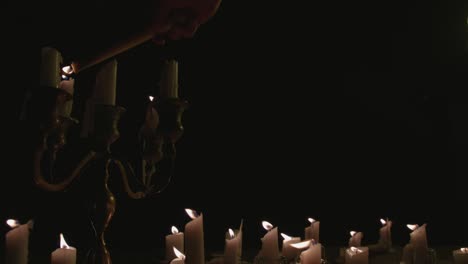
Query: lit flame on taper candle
[(352, 233), (63, 243), (192, 213), (231, 233), (311, 220), (67, 69), (286, 237), (13, 223), (267, 225), (302, 245), (174, 230), (178, 254), (355, 250), (151, 98), (412, 227), (464, 250)]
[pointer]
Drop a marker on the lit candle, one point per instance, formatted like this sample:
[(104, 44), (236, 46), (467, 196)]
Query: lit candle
[(180, 257), (174, 240), (460, 256), (233, 247), (418, 240), (65, 254), (313, 254), (313, 231), (357, 255), (270, 249), (106, 82), (151, 118), (194, 239), (17, 242), (50, 67), (67, 85), (385, 238), (355, 239), (169, 82), (408, 252), (287, 250)]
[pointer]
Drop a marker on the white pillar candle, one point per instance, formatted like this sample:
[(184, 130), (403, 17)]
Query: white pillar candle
[(287, 250), (176, 239), (385, 238), (418, 240), (50, 67), (357, 255), (408, 252), (65, 254), (270, 249), (194, 239), (313, 255), (68, 86), (355, 239), (233, 247), (17, 242), (313, 231), (106, 82), (460, 256), (169, 82), (180, 257)]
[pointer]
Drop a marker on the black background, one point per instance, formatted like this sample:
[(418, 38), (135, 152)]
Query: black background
[(346, 112)]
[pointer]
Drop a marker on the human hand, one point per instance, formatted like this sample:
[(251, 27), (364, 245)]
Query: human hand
[(176, 19)]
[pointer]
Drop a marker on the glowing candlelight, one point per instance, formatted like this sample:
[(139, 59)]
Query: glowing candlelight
[(460, 256), (194, 238), (357, 255), (287, 249), (270, 247), (312, 231), (233, 247), (17, 242), (180, 257), (65, 254), (174, 240), (355, 240)]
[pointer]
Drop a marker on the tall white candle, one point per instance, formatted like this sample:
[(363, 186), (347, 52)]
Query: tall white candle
[(106, 83), (270, 249), (355, 239), (17, 242), (194, 239), (176, 239), (418, 240), (65, 254), (233, 247), (357, 255), (50, 67), (169, 82), (313, 231), (460, 256), (287, 250), (385, 238)]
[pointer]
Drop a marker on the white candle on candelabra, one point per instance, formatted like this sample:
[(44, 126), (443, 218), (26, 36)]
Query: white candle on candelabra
[(169, 82), (313, 231), (65, 254), (355, 239), (385, 238), (460, 256), (357, 255), (151, 118), (233, 247), (313, 254), (194, 239), (17, 242), (50, 67), (67, 84), (180, 257), (174, 240), (106, 82), (287, 250), (270, 248)]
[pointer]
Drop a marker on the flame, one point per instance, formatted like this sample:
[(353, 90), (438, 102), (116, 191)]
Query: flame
[(13, 223), (64, 76), (302, 245), (151, 98), (179, 254), (67, 69), (174, 230), (192, 213), (464, 250), (231, 233), (286, 237), (412, 227), (383, 221), (352, 233), (63, 243), (311, 220), (355, 250), (267, 225)]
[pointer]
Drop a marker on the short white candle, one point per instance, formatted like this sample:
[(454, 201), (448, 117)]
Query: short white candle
[(194, 239), (65, 254), (355, 239), (313, 254), (174, 240), (270, 249), (313, 231), (385, 238), (233, 247), (418, 240), (50, 67), (169, 82), (287, 250), (180, 257), (17, 242), (106, 83), (460, 256), (357, 255)]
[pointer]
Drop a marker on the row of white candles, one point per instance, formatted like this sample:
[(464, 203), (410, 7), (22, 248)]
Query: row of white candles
[(188, 247)]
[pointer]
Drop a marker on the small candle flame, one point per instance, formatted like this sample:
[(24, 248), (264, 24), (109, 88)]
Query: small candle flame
[(352, 233), (464, 250), (67, 69), (13, 223), (151, 98), (302, 245), (63, 243), (286, 237), (174, 230), (231, 233), (267, 225), (178, 254), (355, 250), (192, 213), (311, 220), (383, 221), (412, 227), (64, 77)]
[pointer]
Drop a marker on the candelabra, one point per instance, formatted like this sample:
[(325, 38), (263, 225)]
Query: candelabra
[(50, 130)]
